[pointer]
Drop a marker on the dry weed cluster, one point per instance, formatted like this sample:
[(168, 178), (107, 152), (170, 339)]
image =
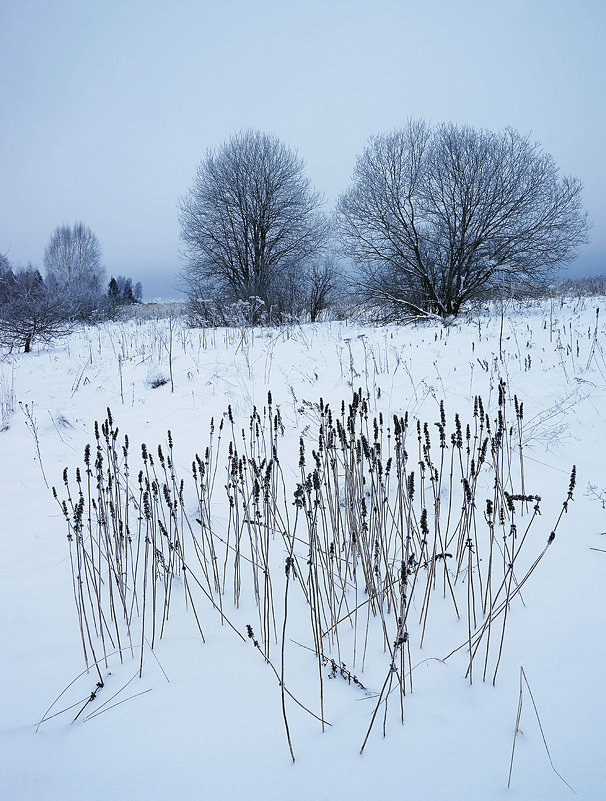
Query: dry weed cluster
[(382, 527)]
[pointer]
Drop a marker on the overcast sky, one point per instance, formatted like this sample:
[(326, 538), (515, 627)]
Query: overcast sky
[(107, 106)]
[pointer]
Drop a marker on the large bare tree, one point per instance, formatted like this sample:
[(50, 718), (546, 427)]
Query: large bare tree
[(436, 217), (74, 271), (250, 219)]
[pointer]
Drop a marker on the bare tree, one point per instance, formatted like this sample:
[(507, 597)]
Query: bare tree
[(323, 281), (440, 216), (249, 219), (28, 311), (74, 271)]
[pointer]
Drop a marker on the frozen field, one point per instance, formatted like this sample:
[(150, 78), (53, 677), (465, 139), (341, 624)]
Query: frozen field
[(301, 520)]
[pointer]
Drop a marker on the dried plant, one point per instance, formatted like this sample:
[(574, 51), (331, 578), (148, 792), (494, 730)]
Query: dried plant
[(385, 525)]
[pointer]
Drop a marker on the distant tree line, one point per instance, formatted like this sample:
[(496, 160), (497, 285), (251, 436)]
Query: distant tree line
[(33, 308), (120, 291), (589, 286), (436, 218)]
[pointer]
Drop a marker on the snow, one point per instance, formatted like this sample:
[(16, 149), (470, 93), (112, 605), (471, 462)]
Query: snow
[(205, 718)]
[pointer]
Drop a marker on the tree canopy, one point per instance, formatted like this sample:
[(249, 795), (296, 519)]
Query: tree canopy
[(436, 217), (28, 310), (72, 260), (250, 222)]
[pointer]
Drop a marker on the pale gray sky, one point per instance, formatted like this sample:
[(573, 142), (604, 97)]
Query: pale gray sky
[(107, 106)]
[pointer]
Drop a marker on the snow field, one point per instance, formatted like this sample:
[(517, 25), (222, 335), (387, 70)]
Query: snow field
[(205, 719)]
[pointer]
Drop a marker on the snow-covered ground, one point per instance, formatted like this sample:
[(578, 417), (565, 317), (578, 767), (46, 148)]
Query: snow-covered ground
[(206, 717)]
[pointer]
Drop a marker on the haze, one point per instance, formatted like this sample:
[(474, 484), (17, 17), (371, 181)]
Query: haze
[(108, 107)]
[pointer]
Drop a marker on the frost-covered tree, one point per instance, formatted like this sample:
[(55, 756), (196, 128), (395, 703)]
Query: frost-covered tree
[(74, 271), (29, 312), (128, 297), (437, 217), (249, 220), (7, 278), (5, 264)]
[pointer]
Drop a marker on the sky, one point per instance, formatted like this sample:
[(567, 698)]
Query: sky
[(107, 107)]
